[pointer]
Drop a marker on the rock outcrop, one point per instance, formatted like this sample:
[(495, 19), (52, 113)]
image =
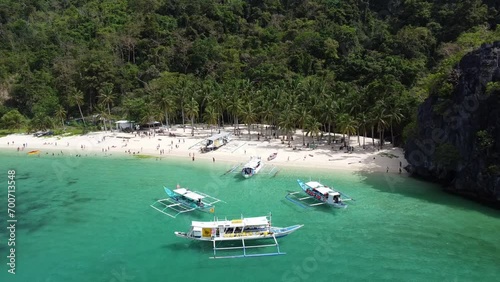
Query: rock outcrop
[(457, 138)]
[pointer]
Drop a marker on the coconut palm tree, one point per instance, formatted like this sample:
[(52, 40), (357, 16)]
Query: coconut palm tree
[(210, 116), (166, 102), (106, 97), (61, 115), (235, 107), (313, 127), (249, 116), (395, 115), (192, 110), (380, 118), (286, 121), (363, 121), (348, 125), (329, 111), (76, 98), (303, 115), (101, 109)]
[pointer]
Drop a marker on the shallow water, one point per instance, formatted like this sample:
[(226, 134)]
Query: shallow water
[(89, 219)]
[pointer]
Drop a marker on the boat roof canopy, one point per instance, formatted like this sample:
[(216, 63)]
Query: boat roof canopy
[(314, 184), (188, 194), (250, 221), (252, 163), (218, 136), (193, 196)]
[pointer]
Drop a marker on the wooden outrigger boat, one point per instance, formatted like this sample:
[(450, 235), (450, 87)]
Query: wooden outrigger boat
[(252, 167), (182, 200), (242, 229), (319, 194)]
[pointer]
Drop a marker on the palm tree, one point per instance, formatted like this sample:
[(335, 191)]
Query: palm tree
[(286, 121), (61, 115), (330, 108), (210, 116), (348, 125), (107, 97), (303, 115), (267, 111), (76, 98), (192, 110), (312, 126), (235, 107), (363, 121), (102, 112), (166, 102), (380, 120), (249, 116), (394, 116)]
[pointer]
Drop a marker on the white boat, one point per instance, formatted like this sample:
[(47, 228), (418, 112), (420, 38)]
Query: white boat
[(252, 167), (321, 194), (182, 200), (215, 141), (242, 229)]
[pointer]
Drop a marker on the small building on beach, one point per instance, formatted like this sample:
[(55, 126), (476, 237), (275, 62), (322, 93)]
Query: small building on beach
[(124, 125)]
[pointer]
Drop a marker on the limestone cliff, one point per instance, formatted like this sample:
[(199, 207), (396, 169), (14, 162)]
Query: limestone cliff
[(457, 138)]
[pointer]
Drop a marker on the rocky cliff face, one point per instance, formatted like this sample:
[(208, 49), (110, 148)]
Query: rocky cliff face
[(457, 140)]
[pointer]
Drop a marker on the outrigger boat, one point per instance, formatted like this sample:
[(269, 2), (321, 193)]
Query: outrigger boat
[(182, 200), (242, 229), (252, 167), (321, 194)]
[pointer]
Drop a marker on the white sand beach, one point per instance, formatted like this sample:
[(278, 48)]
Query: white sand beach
[(238, 150)]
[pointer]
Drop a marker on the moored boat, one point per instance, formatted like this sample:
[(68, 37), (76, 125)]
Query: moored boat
[(252, 167), (322, 194), (242, 229), (183, 200)]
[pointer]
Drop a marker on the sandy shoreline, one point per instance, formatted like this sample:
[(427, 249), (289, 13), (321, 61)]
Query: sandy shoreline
[(239, 150)]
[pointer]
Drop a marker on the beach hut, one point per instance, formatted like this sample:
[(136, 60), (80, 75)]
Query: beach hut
[(124, 125)]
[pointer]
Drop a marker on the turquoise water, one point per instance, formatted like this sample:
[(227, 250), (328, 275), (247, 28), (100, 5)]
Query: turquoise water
[(89, 219)]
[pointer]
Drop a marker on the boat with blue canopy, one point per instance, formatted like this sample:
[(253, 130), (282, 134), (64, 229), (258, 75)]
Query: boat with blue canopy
[(318, 194), (182, 200)]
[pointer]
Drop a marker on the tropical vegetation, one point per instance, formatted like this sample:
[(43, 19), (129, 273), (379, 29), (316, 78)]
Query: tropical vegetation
[(352, 67)]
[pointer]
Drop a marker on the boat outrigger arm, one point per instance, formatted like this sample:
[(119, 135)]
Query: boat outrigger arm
[(245, 247), (173, 208)]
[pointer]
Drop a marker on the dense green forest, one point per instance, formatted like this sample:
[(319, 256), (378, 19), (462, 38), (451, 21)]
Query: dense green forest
[(350, 66)]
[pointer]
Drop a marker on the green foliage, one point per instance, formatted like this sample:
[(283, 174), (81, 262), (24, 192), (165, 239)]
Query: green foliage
[(176, 60), (486, 141), (493, 87), (12, 120)]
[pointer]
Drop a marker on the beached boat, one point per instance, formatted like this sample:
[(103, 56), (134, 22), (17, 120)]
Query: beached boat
[(242, 229), (272, 156), (252, 167), (215, 141), (321, 194), (182, 200), (35, 152)]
